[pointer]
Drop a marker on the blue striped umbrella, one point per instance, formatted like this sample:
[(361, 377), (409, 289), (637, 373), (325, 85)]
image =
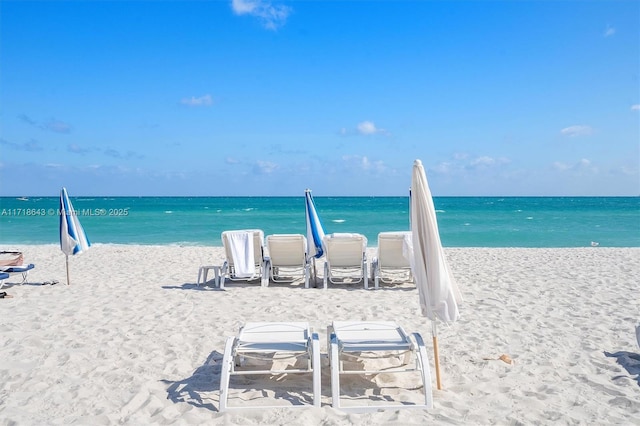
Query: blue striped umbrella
[(315, 232), (73, 240)]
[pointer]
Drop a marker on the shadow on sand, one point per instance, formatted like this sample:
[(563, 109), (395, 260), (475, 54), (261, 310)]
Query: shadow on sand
[(192, 286), (204, 380), (629, 360), (201, 389)]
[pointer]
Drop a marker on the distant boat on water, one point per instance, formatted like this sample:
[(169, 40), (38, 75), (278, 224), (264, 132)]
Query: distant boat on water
[(23, 199)]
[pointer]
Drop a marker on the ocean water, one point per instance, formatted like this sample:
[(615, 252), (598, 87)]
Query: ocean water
[(463, 221)]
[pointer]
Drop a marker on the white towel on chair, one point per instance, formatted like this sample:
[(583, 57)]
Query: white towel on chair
[(407, 248), (241, 246)]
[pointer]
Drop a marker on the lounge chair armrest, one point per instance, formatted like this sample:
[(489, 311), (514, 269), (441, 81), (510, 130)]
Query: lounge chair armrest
[(416, 340)]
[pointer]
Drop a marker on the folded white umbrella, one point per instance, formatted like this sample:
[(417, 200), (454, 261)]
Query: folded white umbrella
[(437, 288)]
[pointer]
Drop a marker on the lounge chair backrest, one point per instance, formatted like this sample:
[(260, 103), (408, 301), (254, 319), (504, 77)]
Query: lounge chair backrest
[(343, 250), (258, 246), (392, 249), (287, 250)]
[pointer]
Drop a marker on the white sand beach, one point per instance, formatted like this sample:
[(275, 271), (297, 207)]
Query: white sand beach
[(133, 340)]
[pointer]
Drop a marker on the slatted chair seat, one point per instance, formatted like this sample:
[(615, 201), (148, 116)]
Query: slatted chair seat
[(263, 342), (353, 340)]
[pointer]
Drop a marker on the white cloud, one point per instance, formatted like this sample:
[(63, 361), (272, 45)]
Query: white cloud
[(265, 167), (576, 130), (443, 168), (123, 156), (462, 164), (205, 100), (609, 31), (629, 171), (486, 162), (52, 125), (240, 7), (55, 166), (483, 161), (57, 126), (635, 107), (76, 149), (561, 167), (365, 128), (30, 146), (584, 162), (582, 165), (369, 128), (363, 163), (460, 156), (272, 17)]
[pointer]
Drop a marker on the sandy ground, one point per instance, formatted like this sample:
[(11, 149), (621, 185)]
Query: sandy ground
[(133, 340)]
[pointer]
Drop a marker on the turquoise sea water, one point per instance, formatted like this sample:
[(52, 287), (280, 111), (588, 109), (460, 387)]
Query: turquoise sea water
[(463, 221)]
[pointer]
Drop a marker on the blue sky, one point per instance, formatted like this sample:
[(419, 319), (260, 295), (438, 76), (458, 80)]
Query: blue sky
[(269, 98)]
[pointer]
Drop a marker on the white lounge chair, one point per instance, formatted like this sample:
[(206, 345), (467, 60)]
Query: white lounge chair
[(244, 251), (392, 262), (351, 341), (346, 258), (287, 257), (261, 344)]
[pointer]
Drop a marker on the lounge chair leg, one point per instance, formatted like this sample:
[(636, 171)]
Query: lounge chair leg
[(315, 347), (264, 279), (365, 274), (334, 361), (306, 276), (223, 273), (227, 366), (425, 370), (216, 282), (326, 275)]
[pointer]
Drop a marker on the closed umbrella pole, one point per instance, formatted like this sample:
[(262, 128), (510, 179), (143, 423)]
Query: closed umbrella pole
[(436, 355)]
